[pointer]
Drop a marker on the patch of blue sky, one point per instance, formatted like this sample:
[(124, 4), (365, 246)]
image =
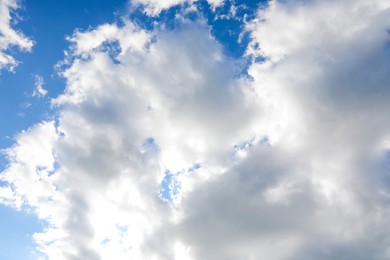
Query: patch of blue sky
[(228, 23), (56, 166), (194, 167), (3, 184), (170, 184), (228, 31), (16, 230), (242, 149), (43, 170), (3, 161), (245, 145), (149, 146), (254, 141), (113, 49)]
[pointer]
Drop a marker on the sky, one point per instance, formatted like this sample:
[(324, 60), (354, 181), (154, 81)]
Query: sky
[(195, 129)]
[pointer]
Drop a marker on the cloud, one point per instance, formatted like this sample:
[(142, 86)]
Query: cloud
[(39, 91), (175, 87), (10, 37), (154, 8), (288, 162), (215, 3)]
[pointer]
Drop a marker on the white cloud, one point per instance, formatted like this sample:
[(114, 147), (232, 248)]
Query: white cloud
[(39, 91), (215, 3), (9, 36), (154, 7), (293, 162)]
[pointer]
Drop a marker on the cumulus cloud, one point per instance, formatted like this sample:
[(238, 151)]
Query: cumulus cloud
[(10, 37), (288, 162)]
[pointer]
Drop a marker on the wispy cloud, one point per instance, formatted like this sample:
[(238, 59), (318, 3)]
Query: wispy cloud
[(9, 36), (39, 91)]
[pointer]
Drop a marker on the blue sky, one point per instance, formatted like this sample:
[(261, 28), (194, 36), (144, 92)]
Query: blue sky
[(16, 230), (194, 129)]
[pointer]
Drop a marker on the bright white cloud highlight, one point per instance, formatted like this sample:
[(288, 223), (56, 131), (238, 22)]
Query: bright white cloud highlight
[(10, 37), (291, 162)]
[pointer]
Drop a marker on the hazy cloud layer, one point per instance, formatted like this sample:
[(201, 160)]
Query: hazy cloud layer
[(159, 152), (10, 37)]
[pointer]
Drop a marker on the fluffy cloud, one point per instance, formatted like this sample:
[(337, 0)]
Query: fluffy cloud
[(289, 162), (9, 37)]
